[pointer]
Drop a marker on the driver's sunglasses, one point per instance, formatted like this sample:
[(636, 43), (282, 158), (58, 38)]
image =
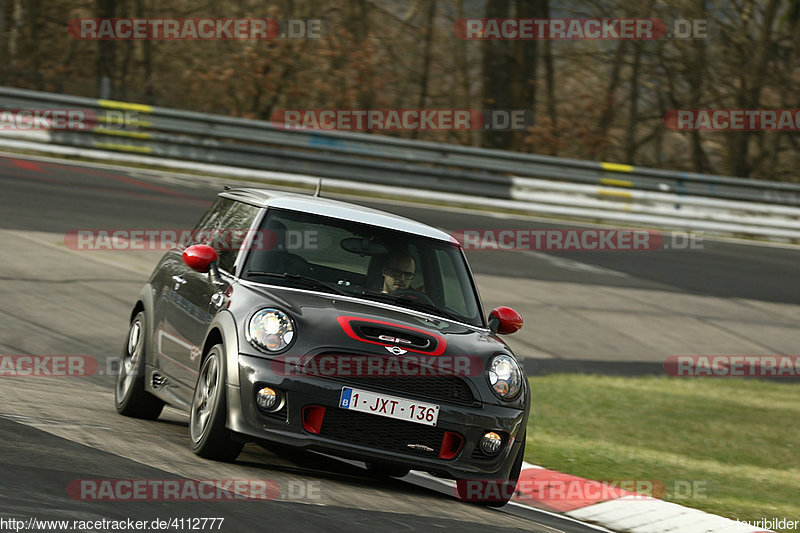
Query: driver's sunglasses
[(396, 273)]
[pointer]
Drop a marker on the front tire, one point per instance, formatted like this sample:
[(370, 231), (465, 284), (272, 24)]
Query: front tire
[(207, 432), (130, 396)]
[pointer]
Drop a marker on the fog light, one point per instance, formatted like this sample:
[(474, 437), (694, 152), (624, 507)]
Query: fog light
[(266, 398), (490, 443)]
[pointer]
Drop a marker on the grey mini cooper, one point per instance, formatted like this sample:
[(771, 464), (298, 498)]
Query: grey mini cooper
[(333, 327)]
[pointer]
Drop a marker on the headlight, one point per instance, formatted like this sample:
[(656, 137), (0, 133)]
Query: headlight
[(270, 330), (505, 376)]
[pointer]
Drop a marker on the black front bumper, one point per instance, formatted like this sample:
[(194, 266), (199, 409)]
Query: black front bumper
[(368, 437)]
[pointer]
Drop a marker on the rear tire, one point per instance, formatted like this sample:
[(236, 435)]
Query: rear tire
[(492, 492), (130, 396), (207, 432)]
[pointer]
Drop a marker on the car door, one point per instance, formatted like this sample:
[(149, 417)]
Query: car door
[(170, 346), (198, 296), (166, 344)]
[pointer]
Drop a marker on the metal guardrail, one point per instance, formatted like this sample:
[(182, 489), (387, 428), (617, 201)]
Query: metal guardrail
[(401, 168), (383, 160)]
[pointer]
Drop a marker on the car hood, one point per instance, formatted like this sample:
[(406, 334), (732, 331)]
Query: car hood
[(331, 323)]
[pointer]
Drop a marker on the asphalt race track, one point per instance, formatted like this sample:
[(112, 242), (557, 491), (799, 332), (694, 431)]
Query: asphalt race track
[(56, 301), (41, 196)]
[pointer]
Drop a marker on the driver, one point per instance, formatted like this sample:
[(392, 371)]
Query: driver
[(398, 271)]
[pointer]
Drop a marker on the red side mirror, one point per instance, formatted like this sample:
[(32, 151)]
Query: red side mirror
[(504, 320), (199, 257)]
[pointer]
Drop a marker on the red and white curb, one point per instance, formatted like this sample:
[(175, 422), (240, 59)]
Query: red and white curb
[(612, 508)]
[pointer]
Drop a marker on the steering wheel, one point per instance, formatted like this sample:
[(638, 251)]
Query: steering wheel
[(413, 294)]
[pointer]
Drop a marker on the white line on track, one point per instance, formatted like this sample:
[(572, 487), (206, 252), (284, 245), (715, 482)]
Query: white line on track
[(451, 484), (577, 266)]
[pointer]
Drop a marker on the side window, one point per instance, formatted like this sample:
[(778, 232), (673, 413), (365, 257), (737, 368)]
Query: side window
[(236, 223), (224, 227), (211, 219)]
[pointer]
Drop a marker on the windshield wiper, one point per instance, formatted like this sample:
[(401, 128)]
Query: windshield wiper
[(297, 277), (410, 302)]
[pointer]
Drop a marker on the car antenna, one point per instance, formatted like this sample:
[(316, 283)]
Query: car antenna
[(319, 188)]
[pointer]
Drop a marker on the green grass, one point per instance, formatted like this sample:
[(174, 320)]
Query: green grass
[(739, 440)]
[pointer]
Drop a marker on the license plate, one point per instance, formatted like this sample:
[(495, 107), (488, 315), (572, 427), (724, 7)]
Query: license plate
[(389, 406)]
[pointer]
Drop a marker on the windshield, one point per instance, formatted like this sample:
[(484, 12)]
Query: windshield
[(332, 255)]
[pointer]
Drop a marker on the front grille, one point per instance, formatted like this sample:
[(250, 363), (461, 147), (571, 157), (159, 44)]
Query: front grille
[(380, 432), (442, 389), (446, 389)]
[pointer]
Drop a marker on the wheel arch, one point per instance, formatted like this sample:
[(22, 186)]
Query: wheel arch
[(223, 331), (144, 304), (138, 308)]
